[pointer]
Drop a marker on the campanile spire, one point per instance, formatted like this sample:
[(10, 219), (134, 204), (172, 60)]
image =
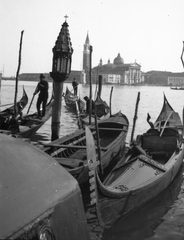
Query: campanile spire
[(86, 56)]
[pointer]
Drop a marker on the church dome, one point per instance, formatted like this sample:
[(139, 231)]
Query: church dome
[(118, 60)]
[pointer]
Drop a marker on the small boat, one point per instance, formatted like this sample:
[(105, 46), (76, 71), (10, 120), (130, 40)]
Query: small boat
[(147, 168), (22, 102), (29, 124), (167, 118), (102, 111), (35, 192), (70, 150), (71, 100), (177, 88)]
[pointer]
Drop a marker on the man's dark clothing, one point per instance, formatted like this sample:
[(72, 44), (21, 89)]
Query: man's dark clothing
[(75, 86), (88, 106), (42, 88)]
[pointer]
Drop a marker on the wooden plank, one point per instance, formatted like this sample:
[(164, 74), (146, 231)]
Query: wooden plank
[(73, 142), (61, 149), (79, 135), (69, 162), (111, 129), (152, 163), (70, 146)]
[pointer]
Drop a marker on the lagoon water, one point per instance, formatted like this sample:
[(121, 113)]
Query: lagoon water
[(162, 218)]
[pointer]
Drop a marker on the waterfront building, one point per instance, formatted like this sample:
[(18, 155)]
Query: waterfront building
[(36, 76), (176, 81), (164, 78), (117, 72)]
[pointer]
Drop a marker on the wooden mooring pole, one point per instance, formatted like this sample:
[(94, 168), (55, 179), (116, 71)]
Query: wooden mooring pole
[(56, 110)]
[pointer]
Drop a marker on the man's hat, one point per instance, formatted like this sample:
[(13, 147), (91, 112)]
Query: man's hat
[(42, 76)]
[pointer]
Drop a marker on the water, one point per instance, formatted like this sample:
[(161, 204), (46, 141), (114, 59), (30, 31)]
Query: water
[(163, 217)]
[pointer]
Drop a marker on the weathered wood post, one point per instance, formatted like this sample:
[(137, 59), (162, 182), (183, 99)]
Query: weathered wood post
[(61, 68), (17, 75)]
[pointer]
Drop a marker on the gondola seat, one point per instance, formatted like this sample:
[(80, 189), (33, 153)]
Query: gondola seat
[(156, 145)]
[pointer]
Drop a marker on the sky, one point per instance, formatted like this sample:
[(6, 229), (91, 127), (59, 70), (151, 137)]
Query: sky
[(150, 32)]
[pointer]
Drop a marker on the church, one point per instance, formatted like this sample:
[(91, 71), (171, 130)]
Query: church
[(117, 72)]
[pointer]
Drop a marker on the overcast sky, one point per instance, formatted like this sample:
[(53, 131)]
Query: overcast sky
[(148, 31)]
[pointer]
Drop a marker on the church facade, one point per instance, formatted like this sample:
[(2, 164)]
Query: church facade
[(117, 72)]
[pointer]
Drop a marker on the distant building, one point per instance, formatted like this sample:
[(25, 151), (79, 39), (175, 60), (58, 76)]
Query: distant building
[(117, 72), (164, 78), (75, 74), (33, 77), (176, 81), (36, 76)]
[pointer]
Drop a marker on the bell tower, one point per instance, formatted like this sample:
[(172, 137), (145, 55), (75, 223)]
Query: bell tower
[(86, 58)]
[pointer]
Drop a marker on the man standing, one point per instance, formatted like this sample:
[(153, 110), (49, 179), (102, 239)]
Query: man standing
[(88, 105), (75, 86), (42, 89)]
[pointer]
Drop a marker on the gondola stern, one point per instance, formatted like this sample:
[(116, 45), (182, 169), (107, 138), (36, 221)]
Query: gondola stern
[(93, 173)]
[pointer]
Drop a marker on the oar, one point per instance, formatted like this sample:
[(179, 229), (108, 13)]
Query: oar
[(135, 116), (166, 123), (78, 115), (110, 101), (30, 103)]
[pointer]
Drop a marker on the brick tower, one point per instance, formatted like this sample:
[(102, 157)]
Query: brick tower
[(86, 59)]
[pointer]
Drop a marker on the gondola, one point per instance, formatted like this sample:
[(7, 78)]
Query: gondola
[(29, 124), (70, 150), (70, 101), (167, 118), (177, 88), (102, 112), (21, 103), (142, 173)]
